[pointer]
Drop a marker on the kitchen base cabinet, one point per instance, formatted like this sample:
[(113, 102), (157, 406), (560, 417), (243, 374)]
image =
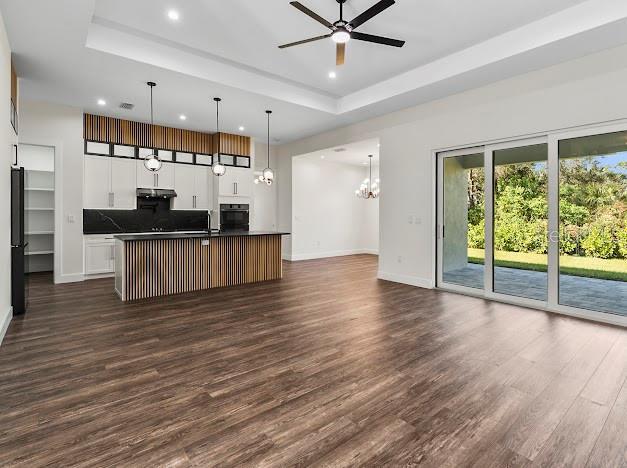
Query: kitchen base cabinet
[(164, 264), (99, 255)]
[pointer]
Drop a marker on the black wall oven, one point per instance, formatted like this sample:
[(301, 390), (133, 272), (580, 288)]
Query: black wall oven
[(234, 217)]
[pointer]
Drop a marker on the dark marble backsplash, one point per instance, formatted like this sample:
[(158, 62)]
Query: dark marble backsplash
[(143, 220)]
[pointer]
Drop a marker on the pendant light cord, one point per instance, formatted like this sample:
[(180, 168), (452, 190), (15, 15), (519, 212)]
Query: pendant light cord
[(152, 84), (268, 112), (370, 179), (217, 100), (268, 139)]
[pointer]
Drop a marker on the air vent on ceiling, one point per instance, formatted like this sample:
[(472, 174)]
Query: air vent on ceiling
[(127, 106), (339, 150)]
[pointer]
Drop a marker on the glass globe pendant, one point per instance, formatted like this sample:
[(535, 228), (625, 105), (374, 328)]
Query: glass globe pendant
[(268, 174), (152, 161), (218, 168)]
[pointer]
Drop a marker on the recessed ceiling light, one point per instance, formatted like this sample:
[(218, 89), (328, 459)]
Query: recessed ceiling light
[(183, 117), (364, 164), (241, 129), (322, 156), (332, 75), (102, 102), (378, 145), (173, 15)]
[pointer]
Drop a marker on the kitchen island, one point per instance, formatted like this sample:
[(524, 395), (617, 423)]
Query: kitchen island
[(149, 265)]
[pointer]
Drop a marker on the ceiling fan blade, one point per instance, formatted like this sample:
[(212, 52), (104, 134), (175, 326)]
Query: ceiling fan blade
[(311, 14), (304, 41), (340, 53), (378, 39), (371, 12)]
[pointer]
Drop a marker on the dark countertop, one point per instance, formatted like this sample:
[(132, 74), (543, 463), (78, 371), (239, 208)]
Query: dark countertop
[(195, 235)]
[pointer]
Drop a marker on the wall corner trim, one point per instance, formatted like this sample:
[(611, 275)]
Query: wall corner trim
[(406, 279), (5, 326)]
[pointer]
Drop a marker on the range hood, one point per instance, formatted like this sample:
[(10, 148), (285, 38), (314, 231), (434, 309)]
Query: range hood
[(155, 193)]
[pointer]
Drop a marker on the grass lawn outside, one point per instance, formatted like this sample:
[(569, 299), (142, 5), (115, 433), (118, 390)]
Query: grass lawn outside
[(590, 267)]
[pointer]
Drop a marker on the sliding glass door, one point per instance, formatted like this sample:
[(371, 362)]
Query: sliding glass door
[(593, 222), (462, 203), (539, 222), (520, 221)]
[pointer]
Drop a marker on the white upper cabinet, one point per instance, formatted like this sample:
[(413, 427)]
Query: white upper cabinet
[(202, 177), (191, 185), (145, 178), (109, 183), (236, 182), (97, 182), (123, 183), (184, 186), (163, 178)]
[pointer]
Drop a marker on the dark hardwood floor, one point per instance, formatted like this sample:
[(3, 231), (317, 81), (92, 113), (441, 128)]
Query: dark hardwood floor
[(327, 367)]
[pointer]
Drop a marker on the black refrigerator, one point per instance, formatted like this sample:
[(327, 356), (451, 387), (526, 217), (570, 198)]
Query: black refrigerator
[(18, 284)]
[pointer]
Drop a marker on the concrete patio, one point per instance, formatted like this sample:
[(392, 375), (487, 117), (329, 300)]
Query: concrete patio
[(575, 291)]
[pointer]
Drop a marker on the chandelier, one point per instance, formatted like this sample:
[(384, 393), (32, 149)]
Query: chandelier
[(368, 188)]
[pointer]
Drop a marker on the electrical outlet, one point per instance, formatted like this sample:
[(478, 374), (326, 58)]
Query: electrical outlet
[(399, 259), (70, 218)]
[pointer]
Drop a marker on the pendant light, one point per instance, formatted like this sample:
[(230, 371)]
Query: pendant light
[(218, 168), (368, 189), (268, 174), (152, 161)]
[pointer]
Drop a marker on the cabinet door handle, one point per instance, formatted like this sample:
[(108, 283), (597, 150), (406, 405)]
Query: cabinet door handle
[(194, 201), (15, 147)]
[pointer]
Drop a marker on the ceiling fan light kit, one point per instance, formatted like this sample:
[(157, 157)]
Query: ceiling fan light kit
[(343, 31)]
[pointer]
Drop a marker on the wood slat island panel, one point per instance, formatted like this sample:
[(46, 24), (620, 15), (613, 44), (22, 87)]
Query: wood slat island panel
[(160, 267)]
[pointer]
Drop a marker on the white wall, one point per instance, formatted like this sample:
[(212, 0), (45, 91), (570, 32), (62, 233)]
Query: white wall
[(36, 157), (328, 219), (584, 91), (61, 127), (7, 139)]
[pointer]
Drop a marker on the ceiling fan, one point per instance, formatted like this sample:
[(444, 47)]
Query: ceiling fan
[(342, 31)]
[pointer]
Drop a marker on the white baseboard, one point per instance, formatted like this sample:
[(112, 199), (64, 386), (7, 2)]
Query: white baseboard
[(71, 278), (333, 253), (406, 279), (5, 324), (98, 276)]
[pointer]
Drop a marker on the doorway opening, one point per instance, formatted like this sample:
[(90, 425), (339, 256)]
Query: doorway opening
[(331, 212)]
